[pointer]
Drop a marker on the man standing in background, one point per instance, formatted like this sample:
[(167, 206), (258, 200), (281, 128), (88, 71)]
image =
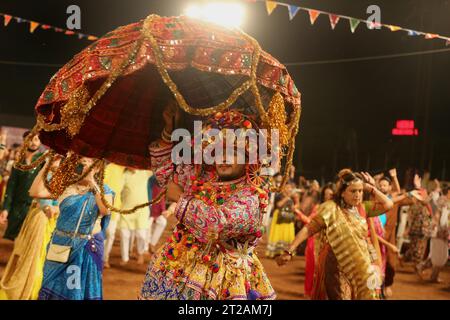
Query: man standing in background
[(17, 201)]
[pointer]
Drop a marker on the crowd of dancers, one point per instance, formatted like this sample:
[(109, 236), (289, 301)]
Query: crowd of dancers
[(351, 230)]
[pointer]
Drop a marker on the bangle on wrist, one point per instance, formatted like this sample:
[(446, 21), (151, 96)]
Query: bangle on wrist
[(166, 137), (289, 252)]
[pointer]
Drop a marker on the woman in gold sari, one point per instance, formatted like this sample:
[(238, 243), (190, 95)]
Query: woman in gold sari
[(23, 275), (345, 268)]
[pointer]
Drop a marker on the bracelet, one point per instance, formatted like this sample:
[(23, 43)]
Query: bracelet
[(288, 252), (165, 136)]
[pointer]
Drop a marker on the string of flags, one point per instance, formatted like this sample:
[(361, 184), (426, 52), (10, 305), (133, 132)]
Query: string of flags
[(270, 7), (33, 25), (353, 22)]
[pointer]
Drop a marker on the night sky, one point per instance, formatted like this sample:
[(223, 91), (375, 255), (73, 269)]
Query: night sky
[(349, 109)]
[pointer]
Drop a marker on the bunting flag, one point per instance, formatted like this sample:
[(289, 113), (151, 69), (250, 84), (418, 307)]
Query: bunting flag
[(33, 25), (394, 28), (293, 11), (431, 36), (334, 19), (7, 19), (354, 24), (412, 33), (313, 15), (270, 6), (373, 25)]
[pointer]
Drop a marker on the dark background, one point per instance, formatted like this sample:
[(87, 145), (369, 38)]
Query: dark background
[(349, 109)]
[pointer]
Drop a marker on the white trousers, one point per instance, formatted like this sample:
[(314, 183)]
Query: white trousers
[(110, 236), (156, 230), (125, 242)]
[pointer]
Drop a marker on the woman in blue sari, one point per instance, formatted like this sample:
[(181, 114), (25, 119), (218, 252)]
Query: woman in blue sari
[(81, 223)]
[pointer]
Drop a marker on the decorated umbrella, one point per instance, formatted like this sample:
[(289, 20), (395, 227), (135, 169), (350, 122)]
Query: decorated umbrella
[(107, 102)]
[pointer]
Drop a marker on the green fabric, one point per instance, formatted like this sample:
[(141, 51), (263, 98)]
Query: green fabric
[(17, 201)]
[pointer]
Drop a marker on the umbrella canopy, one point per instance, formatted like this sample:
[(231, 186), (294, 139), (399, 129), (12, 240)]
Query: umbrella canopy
[(107, 102)]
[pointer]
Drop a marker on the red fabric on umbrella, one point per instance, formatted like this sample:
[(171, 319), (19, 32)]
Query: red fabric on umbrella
[(207, 62)]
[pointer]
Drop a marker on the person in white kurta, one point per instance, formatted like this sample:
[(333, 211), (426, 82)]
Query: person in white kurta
[(134, 192), (114, 179)]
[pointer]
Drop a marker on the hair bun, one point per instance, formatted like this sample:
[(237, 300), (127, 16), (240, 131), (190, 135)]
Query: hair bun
[(344, 172)]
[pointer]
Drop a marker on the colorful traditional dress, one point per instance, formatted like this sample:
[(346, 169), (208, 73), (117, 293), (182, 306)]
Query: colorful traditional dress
[(310, 260), (80, 278), (22, 278), (419, 219), (211, 253), (17, 200), (344, 266), (282, 229)]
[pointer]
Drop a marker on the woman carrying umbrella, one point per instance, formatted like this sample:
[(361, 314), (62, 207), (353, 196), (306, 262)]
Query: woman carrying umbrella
[(210, 254), (107, 103)]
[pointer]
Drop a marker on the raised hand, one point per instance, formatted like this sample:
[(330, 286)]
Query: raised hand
[(417, 181), (393, 172), (171, 114), (368, 178)]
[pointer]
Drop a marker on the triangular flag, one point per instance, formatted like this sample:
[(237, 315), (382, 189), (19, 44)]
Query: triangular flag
[(19, 20), (431, 36), (412, 33), (58, 30), (92, 38), (353, 24), (45, 26), (33, 26), (69, 33), (313, 14), (334, 19), (292, 11), (394, 28), (270, 6), (81, 36), (7, 19)]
